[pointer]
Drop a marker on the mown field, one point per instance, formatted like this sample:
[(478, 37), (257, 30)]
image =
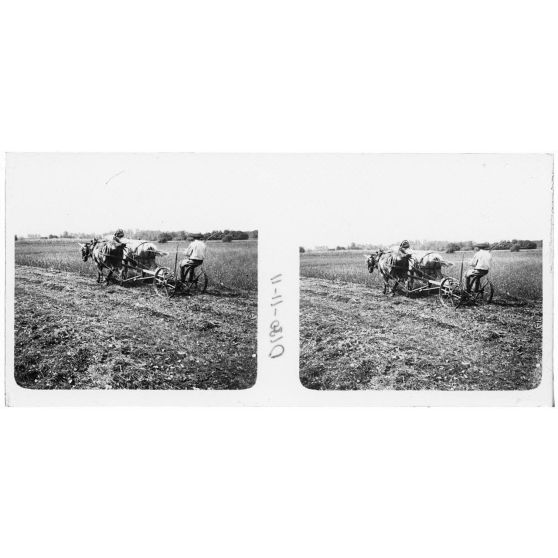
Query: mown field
[(71, 333), (354, 337), (514, 274)]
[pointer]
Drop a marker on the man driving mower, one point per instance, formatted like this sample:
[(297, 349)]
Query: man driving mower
[(195, 254), (480, 264)]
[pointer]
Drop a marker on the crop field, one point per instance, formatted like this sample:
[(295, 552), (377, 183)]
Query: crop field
[(72, 333), (514, 274), (355, 337), (232, 265)]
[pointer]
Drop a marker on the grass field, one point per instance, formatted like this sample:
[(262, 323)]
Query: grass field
[(354, 337), (230, 264), (72, 333), (514, 274)]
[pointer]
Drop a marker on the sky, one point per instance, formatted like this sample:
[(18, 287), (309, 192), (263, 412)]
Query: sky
[(317, 199), (52, 193)]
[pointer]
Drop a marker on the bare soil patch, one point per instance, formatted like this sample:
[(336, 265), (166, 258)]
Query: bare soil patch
[(71, 333), (354, 337)]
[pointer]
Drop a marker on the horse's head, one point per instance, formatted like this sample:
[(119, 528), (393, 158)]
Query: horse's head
[(372, 260), (86, 250)]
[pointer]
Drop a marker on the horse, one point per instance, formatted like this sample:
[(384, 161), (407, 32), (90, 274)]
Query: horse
[(391, 266), (140, 253), (106, 255), (430, 264), (420, 263)]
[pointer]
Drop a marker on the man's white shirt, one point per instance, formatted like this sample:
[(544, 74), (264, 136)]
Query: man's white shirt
[(481, 260), (196, 250)]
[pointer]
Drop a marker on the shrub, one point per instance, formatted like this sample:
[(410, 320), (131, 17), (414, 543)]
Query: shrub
[(301, 249), (227, 238), (515, 247), (452, 247), (164, 237)]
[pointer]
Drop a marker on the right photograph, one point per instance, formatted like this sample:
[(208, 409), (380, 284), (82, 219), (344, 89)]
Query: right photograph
[(425, 272)]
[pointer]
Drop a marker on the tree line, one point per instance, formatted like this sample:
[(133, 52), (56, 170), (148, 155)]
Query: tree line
[(514, 245), (225, 235)]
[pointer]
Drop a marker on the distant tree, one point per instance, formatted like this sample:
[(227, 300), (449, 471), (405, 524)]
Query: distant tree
[(253, 234), (527, 244), (227, 238), (515, 247), (52, 236), (164, 237), (16, 237), (340, 248), (502, 245), (301, 249), (452, 247), (214, 235)]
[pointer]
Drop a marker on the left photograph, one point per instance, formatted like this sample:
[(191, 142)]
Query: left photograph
[(132, 272)]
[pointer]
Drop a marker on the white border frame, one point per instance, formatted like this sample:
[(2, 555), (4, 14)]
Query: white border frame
[(278, 382)]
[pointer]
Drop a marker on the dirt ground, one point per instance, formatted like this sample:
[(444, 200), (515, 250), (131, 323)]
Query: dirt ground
[(355, 337), (71, 333)]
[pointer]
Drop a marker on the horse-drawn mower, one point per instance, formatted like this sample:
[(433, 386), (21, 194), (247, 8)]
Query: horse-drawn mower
[(413, 280), (165, 281)]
